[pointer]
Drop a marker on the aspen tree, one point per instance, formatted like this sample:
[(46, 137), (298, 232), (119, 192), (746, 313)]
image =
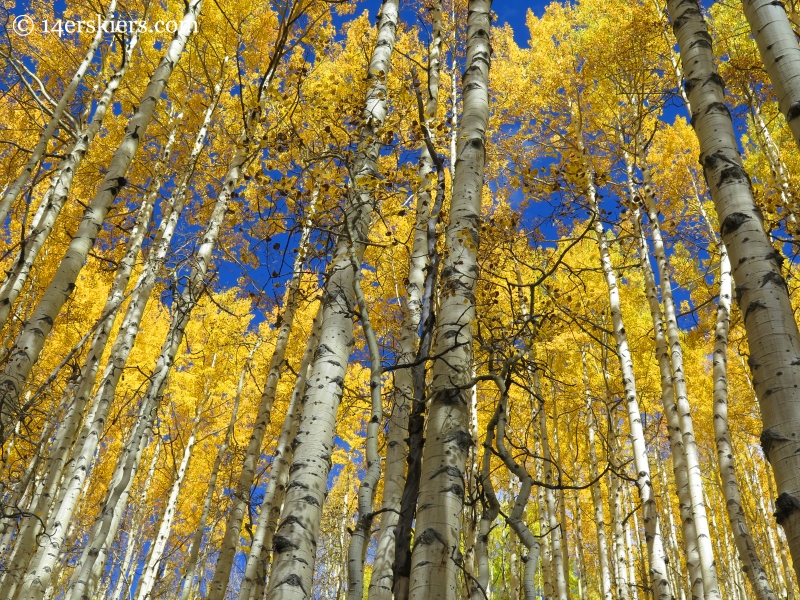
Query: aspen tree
[(780, 54), (554, 527), (56, 195), (380, 586), (655, 548), (31, 340), (772, 332), (436, 550), (247, 476), (597, 500), (91, 434), (159, 543), (730, 487), (41, 503), (254, 579), (295, 538), (13, 191), (479, 588), (190, 567), (133, 532)]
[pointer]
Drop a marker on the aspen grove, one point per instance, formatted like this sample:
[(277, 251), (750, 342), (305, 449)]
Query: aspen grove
[(399, 300)]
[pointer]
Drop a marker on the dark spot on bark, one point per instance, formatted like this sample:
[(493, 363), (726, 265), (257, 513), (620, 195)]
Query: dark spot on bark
[(774, 278), (322, 350), (785, 505), (740, 291), (427, 537), (794, 111), (455, 489), (461, 439), (310, 500), (718, 107), (338, 381), (47, 319), (733, 175), (296, 484), (733, 221), (294, 581), (282, 544), (768, 436), (752, 307)]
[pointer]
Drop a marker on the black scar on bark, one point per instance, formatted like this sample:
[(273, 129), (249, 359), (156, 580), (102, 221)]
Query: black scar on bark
[(427, 537), (294, 581), (753, 306), (282, 544), (310, 500), (450, 470), (768, 436), (703, 40), (733, 221), (461, 438), (733, 174), (775, 278), (688, 15), (718, 107), (785, 505), (740, 291), (794, 111)]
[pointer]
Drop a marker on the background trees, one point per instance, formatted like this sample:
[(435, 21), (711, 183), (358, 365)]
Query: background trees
[(310, 301)]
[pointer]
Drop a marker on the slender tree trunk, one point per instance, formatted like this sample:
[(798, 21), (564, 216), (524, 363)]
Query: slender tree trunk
[(780, 54), (658, 571), (91, 434), (684, 413), (241, 498), (133, 532), (14, 190), (56, 195), (31, 340), (159, 541), (436, 555), (730, 485), (554, 526), (190, 567), (479, 588), (380, 587), (597, 499), (761, 289), (295, 540), (255, 575)]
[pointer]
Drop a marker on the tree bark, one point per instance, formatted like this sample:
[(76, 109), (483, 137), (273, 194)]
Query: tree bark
[(436, 555), (780, 54), (761, 290), (295, 540), (30, 341)]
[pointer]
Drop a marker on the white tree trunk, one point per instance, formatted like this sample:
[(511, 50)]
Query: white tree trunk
[(159, 542), (684, 412), (597, 499), (56, 195), (554, 526), (380, 587), (241, 497), (730, 485), (30, 342), (780, 54), (761, 290), (133, 532), (254, 579), (655, 549), (92, 431), (187, 580), (14, 190), (436, 555), (295, 540)]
